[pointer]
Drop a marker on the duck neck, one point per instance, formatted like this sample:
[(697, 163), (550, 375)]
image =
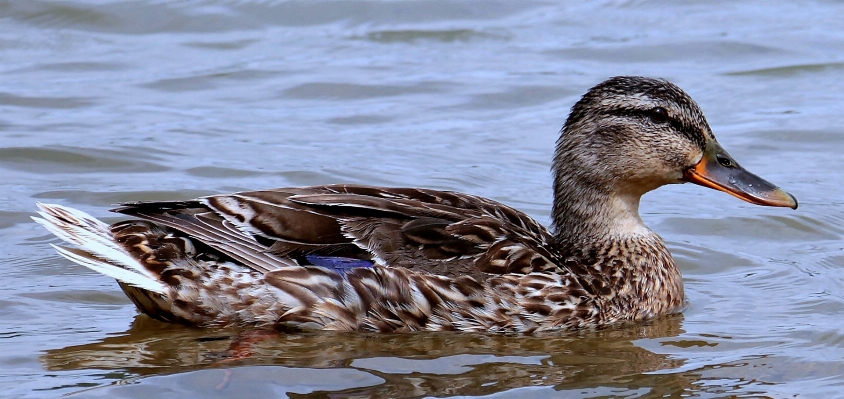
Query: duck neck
[(598, 228), (586, 213)]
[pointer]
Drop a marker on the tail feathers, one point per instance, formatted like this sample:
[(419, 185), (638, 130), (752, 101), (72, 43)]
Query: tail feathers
[(97, 249), (120, 274)]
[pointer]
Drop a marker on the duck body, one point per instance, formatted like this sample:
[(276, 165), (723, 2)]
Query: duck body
[(362, 258)]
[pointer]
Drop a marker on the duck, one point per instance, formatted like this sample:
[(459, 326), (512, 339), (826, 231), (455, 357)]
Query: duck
[(349, 257)]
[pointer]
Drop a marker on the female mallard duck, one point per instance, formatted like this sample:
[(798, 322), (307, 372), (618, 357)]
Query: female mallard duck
[(351, 257)]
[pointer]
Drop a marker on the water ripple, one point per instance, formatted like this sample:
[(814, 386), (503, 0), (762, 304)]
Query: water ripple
[(786, 70), (111, 101), (44, 102), (45, 160)]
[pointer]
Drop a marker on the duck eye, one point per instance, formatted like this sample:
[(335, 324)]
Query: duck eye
[(658, 115), (724, 161)]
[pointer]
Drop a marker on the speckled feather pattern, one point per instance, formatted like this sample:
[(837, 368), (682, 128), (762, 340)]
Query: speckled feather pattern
[(509, 284), (574, 295), (441, 260)]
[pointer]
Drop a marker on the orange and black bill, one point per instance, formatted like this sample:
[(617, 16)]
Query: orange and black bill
[(718, 170)]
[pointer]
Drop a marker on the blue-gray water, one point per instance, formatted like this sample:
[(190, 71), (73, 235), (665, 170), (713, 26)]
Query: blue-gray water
[(109, 101)]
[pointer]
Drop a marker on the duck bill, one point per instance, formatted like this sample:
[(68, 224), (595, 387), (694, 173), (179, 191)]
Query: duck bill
[(719, 171)]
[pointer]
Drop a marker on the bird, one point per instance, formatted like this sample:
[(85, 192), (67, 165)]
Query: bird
[(349, 257)]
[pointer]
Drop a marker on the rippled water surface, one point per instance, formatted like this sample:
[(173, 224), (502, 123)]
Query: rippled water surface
[(110, 101)]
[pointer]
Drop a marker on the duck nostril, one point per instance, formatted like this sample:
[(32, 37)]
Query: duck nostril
[(725, 161)]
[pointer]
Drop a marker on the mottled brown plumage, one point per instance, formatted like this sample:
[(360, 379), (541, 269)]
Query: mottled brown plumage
[(425, 259)]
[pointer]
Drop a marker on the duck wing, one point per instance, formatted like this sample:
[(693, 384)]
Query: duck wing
[(439, 232)]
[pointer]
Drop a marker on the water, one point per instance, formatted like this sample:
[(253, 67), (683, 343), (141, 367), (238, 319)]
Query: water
[(102, 102)]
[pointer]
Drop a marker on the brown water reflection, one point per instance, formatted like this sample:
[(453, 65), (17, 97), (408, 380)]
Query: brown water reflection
[(410, 365)]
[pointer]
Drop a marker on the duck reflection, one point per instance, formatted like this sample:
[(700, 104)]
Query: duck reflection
[(411, 365)]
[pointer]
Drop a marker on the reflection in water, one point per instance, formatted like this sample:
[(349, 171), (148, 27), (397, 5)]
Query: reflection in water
[(410, 365)]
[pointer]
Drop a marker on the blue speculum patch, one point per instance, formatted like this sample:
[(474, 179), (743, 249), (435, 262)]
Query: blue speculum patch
[(339, 264)]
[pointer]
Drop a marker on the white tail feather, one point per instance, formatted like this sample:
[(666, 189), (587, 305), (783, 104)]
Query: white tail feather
[(98, 251), (90, 261)]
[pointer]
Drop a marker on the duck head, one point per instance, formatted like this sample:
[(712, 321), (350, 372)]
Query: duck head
[(629, 135)]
